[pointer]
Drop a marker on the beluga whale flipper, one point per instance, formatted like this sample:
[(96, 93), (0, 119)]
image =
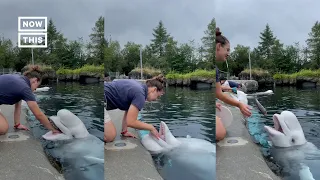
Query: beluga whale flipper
[(80, 153), (298, 158), (182, 158)]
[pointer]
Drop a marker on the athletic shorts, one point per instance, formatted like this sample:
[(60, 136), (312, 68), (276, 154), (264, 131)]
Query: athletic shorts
[(106, 116)]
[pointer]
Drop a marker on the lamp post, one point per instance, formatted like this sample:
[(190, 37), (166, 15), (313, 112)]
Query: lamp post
[(32, 56), (141, 63), (250, 63)]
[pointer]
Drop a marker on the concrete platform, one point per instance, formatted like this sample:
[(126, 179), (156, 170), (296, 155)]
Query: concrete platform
[(242, 160), (130, 162), (22, 158)]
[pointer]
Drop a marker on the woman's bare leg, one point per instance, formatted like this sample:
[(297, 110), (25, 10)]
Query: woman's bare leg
[(109, 128), (4, 126), (220, 129)]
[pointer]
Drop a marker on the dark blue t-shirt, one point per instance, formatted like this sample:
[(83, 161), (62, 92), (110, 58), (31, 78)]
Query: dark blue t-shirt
[(122, 93), (233, 84), (14, 88), (217, 75)]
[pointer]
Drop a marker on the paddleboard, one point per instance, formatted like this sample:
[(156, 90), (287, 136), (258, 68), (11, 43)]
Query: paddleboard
[(225, 115)]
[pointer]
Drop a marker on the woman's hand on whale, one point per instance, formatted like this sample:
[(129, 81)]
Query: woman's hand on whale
[(245, 109), (155, 132)]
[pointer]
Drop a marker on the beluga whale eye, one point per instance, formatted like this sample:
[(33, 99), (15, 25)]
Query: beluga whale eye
[(292, 140)]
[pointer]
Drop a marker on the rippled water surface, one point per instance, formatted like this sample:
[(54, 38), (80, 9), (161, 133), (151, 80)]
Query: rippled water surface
[(85, 101), (185, 111)]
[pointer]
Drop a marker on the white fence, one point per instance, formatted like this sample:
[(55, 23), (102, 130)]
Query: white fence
[(7, 71)]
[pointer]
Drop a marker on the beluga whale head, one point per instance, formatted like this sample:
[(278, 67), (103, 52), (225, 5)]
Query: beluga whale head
[(287, 130), (166, 135), (70, 126)]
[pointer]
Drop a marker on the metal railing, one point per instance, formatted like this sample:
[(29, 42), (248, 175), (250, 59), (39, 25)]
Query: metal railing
[(224, 74), (114, 75), (7, 71)]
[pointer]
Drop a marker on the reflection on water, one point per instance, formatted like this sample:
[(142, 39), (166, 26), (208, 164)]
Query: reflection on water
[(304, 103), (85, 101), (186, 112)]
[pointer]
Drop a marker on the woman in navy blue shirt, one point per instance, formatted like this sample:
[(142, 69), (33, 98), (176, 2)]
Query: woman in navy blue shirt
[(13, 89), (130, 95), (222, 53)]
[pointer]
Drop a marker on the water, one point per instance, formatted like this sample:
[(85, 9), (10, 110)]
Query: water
[(186, 112), (304, 103), (85, 101)]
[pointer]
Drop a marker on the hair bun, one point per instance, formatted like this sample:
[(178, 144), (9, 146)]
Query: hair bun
[(218, 33), (160, 78), (35, 68)]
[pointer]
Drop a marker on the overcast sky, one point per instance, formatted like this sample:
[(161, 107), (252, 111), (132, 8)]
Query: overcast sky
[(184, 19), (241, 21), (74, 18)]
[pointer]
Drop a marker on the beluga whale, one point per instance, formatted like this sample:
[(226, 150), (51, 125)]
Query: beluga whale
[(80, 154), (42, 89), (182, 158), (297, 158)]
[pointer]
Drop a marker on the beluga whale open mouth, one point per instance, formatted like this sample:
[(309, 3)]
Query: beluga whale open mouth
[(277, 128), (287, 130), (80, 153)]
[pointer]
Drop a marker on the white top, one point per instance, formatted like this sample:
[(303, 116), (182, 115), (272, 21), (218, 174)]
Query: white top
[(226, 83)]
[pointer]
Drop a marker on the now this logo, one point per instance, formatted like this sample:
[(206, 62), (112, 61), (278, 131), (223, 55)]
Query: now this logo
[(32, 32)]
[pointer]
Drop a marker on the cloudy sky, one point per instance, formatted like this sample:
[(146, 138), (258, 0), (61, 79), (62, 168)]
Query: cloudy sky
[(241, 21), (74, 18), (184, 19)]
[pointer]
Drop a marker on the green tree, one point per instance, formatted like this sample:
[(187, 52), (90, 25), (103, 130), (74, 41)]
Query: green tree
[(131, 56), (160, 40), (314, 45), (98, 43), (266, 43), (209, 42)]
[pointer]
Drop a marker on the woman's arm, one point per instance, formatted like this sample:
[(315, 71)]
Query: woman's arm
[(17, 113), (244, 108), (226, 88), (224, 97), (133, 122), (39, 115)]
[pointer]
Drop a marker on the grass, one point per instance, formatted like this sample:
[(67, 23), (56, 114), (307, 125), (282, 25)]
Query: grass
[(147, 70), (303, 73), (83, 69), (257, 72), (197, 73), (43, 67)]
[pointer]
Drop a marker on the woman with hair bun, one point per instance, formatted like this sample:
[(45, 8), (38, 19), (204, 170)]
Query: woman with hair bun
[(130, 95), (13, 89), (222, 53)]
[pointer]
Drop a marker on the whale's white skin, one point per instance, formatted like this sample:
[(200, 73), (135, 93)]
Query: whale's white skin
[(80, 153), (268, 92), (240, 96), (298, 158), (42, 89), (193, 158), (69, 124), (192, 144), (168, 142)]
